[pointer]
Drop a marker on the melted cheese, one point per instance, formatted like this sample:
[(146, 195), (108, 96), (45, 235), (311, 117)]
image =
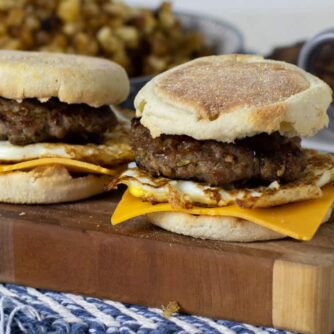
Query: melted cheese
[(298, 220), (71, 165)]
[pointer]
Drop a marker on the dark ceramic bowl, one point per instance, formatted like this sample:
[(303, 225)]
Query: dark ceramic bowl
[(222, 37), (308, 55)]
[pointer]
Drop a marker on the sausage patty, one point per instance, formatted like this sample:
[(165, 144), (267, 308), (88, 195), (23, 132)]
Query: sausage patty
[(33, 122), (264, 158)]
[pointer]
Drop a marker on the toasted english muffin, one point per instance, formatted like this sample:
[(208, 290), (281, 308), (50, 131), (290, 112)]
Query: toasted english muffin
[(230, 97)]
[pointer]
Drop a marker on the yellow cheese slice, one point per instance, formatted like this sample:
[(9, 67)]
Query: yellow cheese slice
[(72, 165), (298, 220)]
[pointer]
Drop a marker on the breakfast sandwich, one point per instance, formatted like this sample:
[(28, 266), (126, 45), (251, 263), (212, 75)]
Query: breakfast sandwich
[(218, 151), (59, 138)]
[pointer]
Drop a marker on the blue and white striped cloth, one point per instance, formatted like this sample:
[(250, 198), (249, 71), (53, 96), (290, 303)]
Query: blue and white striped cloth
[(28, 310)]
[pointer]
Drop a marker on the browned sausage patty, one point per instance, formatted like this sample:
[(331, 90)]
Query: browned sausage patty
[(33, 122), (259, 158)]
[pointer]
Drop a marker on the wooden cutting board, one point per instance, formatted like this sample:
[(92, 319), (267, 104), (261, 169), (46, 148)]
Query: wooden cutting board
[(73, 247)]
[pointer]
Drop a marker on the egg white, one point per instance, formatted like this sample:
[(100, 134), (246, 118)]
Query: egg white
[(182, 193), (114, 150)]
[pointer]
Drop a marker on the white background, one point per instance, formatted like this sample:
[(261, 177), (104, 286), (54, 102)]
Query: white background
[(264, 23)]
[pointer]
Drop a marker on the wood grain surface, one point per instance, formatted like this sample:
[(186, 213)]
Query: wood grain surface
[(73, 247)]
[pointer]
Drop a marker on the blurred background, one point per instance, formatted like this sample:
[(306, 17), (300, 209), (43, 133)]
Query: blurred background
[(148, 41), (265, 24)]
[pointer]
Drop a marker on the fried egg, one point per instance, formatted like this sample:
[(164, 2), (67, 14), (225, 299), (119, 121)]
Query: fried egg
[(114, 150), (185, 194)]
